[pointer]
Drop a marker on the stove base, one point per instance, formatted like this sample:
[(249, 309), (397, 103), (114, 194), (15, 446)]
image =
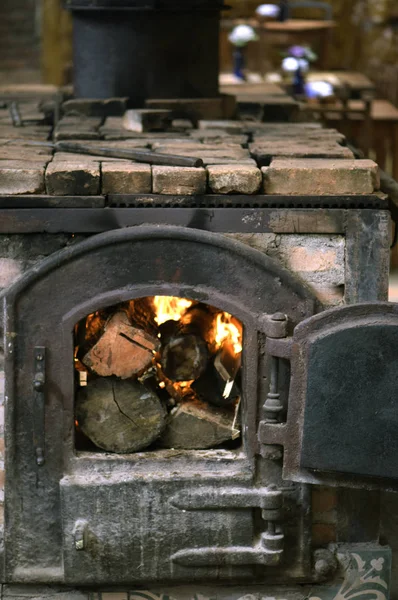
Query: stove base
[(364, 571)]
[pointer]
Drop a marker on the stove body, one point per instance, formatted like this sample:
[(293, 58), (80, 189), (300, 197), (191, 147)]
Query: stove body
[(249, 521)]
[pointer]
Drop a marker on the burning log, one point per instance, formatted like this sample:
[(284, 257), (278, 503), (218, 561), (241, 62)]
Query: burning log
[(199, 320), (219, 384), (184, 354), (119, 416), (194, 425), (122, 350), (184, 357)]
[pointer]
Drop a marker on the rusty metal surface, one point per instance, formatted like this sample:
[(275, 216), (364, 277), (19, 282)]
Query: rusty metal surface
[(218, 220), (97, 518)]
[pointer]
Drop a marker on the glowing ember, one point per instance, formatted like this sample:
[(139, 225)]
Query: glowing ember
[(170, 308), (227, 330)]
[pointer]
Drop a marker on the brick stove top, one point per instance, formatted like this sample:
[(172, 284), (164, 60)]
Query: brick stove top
[(240, 158)]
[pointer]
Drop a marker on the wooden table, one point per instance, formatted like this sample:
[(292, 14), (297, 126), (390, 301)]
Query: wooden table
[(254, 90), (384, 118), (356, 82), (300, 31)]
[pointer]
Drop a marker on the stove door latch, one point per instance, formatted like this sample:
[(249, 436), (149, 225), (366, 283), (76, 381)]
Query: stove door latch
[(39, 383), (267, 551)]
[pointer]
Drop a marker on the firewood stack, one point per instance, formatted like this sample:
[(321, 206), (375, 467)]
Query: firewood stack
[(159, 372)]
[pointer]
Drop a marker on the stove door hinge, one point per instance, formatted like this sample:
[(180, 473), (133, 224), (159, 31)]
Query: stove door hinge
[(267, 551), (279, 347), (39, 383)]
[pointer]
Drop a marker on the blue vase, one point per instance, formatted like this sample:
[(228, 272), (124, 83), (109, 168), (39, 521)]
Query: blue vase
[(299, 83), (283, 10), (239, 63)]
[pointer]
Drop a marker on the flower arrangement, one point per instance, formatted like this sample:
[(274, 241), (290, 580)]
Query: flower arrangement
[(240, 36), (295, 64), (298, 57)]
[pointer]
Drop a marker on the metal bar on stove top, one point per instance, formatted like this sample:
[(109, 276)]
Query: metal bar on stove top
[(156, 201), (219, 220), (246, 201)]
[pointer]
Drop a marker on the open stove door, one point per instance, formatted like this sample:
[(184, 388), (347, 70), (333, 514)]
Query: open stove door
[(342, 422)]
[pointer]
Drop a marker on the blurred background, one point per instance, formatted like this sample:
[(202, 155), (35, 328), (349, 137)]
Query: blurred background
[(36, 41)]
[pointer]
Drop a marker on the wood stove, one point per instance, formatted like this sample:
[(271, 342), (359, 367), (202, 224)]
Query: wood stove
[(286, 504)]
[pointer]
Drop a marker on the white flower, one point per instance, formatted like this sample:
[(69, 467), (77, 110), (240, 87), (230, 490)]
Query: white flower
[(318, 89), (290, 64), (242, 35), (268, 10)]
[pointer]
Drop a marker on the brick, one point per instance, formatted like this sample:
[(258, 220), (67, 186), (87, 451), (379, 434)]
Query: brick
[(70, 157), (319, 260), (178, 180), (323, 534), (330, 295), (233, 127), (96, 108), (211, 160), (71, 179), (20, 153), (21, 178), (263, 153), (234, 179), (189, 145), (126, 178), (320, 177), (220, 107), (217, 136), (324, 504), (147, 119), (222, 152), (10, 270), (74, 133)]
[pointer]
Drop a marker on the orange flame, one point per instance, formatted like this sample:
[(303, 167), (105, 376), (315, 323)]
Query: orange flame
[(225, 329), (170, 308)]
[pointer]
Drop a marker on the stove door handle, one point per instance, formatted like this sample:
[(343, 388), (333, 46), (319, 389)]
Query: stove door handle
[(267, 552), (39, 386)]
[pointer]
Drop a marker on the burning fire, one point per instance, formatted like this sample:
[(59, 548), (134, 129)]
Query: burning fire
[(170, 308), (225, 329)]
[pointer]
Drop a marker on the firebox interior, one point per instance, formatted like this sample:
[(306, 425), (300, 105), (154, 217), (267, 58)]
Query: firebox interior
[(156, 373)]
